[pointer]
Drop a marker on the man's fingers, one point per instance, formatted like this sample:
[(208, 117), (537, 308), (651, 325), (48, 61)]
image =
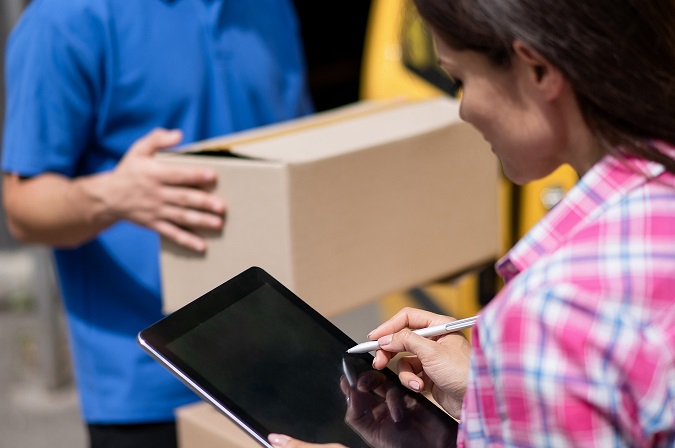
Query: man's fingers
[(156, 140), (204, 178), (180, 236), (191, 219), (193, 198)]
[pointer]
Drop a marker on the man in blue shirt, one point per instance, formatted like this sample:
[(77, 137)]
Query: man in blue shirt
[(92, 86)]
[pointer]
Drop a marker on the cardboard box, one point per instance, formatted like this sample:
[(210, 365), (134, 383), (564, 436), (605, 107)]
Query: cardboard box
[(200, 425), (345, 206)]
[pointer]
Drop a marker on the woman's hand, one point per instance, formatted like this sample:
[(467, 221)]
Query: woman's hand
[(281, 440), (439, 365)]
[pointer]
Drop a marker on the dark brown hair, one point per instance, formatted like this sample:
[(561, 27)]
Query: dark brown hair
[(618, 55)]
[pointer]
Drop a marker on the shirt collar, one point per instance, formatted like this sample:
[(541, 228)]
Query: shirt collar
[(605, 183)]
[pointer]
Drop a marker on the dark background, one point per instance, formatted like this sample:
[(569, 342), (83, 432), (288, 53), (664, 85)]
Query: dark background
[(333, 34)]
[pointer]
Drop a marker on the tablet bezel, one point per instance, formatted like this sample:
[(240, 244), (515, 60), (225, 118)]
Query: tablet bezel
[(155, 338)]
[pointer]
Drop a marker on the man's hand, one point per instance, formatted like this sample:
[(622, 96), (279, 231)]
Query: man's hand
[(53, 209), (169, 199)]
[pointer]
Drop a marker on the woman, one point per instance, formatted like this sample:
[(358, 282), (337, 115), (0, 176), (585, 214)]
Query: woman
[(577, 348)]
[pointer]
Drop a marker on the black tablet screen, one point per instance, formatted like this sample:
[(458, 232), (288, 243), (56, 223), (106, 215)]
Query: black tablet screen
[(281, 367)]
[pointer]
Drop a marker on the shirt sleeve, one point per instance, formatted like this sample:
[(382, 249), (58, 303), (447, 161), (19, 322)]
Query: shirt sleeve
[(570, 370), (53, 71)]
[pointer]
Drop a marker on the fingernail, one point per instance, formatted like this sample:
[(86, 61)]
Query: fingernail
[(414, 385), (369, 335), (385, 340), (279, 439)]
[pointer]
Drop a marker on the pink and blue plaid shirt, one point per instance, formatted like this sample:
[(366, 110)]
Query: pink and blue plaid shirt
[(578, 349)]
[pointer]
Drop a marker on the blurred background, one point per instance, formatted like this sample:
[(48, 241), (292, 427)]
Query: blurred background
[(38, 404), (356, 50)]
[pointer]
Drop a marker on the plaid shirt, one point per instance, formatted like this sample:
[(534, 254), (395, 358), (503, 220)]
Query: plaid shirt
[(578, 349)]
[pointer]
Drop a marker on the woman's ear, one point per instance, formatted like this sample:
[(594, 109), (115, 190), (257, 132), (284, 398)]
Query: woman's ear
[(539, 72)]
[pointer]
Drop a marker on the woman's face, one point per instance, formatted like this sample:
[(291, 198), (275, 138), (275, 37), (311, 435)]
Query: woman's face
[(523, 131)]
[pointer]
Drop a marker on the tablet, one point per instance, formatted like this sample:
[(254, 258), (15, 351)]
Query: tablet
[(271, 363)]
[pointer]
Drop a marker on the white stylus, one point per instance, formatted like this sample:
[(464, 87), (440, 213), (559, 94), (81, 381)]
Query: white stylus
[(435, 330)]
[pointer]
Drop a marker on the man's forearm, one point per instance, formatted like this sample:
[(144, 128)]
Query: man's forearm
[(54, 210)]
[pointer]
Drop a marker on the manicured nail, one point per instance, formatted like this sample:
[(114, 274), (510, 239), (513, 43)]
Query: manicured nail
[(278, 439), (385, 340), (414, 385)]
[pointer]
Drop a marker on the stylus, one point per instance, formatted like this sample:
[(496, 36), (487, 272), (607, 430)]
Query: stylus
[(435, 330)]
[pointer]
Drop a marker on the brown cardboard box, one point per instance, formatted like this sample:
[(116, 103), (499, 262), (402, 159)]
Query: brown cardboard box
[(345, 206), (200, 425)]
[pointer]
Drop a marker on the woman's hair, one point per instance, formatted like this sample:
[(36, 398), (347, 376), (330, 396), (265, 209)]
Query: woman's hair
[(618, 55)]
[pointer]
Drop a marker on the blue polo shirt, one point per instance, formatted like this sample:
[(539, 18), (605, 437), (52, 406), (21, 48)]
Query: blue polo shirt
[(85, 79)]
